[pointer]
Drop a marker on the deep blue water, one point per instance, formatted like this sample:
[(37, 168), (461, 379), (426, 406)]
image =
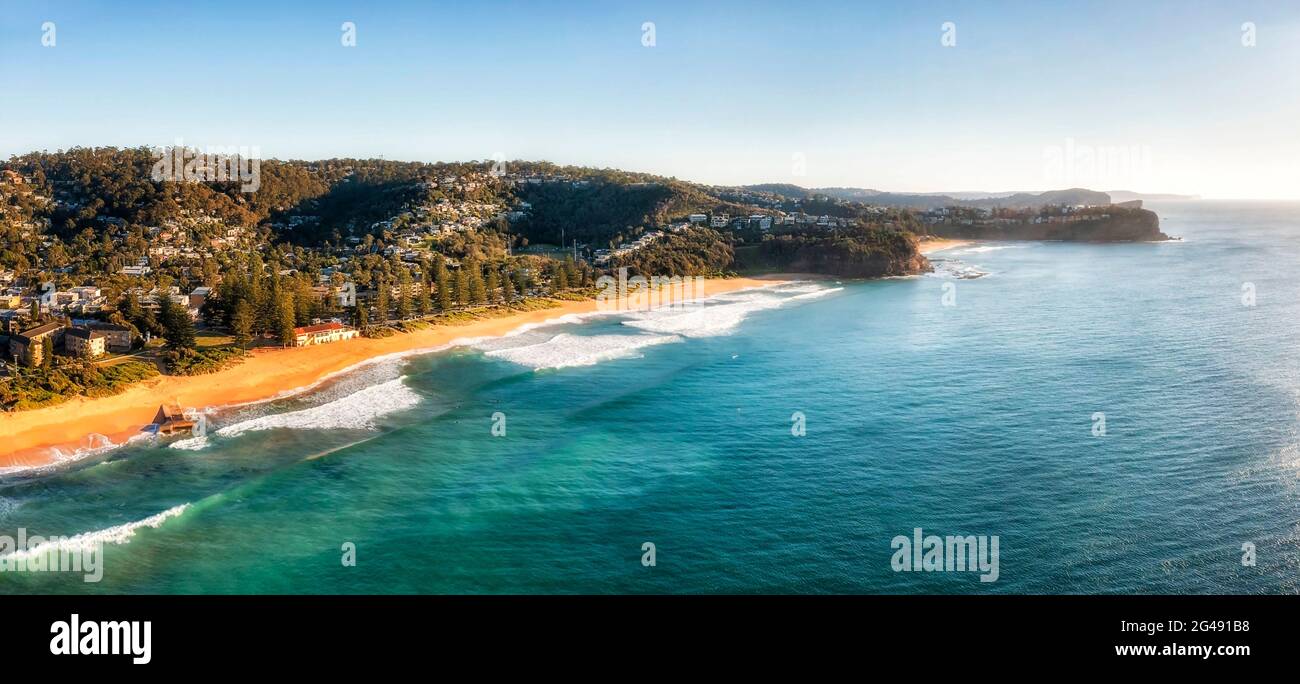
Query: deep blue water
[(972, 419)]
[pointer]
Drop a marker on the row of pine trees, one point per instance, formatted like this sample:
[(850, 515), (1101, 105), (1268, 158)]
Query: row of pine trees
[(257, 299)]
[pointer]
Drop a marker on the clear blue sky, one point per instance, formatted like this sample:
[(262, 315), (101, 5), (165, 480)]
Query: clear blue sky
[(863, 93)]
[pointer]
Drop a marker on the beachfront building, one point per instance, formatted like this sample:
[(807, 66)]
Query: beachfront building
[(30, 347), (84, 343), (170, 419), (322, 334), (117, 338)]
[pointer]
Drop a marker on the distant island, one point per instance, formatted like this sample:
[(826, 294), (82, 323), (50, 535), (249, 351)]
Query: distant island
[(110, 274)]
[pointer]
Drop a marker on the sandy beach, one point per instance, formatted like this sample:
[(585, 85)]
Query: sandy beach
[(44, 436), (937, 244)]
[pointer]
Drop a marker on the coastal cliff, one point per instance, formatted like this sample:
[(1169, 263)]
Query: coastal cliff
[(1118, 224), (863, 253)]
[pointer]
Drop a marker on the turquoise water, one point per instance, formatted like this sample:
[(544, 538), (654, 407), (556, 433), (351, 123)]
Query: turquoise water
[(675, 429)]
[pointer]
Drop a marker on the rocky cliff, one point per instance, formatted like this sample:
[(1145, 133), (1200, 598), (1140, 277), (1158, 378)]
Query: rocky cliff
[(1118, 225), (868, 253)]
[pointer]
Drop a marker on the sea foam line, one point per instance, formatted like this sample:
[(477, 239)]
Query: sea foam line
[(118, 534), (357, 411), (718, 315), (565, 350), (59, 457)]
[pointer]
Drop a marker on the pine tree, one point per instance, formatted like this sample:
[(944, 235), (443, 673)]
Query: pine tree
[(177, 326), (424, 304), (444, 286), (381, 301), (507, 288), (285, 319), (570, 269), (559, 279), (304, 300), (130, 310), (462, 285), (404, 295), (241, 323), (493, 285), (363, 316), (477, 290)]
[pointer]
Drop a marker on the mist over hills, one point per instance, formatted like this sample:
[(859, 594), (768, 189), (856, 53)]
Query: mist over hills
[(930, 200), (1128, 195)]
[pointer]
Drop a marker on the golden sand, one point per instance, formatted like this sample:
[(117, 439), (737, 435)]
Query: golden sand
[(28, 437), (937, 244)]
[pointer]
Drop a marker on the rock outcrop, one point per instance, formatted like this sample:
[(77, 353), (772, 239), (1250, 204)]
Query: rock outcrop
[(1120, 224)]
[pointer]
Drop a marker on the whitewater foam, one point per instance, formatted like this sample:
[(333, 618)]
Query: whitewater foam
[(118, 534), (720, 316), (96, 445), (191, 444), (986, 248), (566, 350), (817, 293), (357, 411)]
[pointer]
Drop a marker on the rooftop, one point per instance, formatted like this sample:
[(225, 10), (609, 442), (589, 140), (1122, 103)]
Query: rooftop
[(40, 330), (322, 327)]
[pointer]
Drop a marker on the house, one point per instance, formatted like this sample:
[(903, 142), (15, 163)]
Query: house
[(30, 346), (88, 292), (170, 419), (323, 333), (199, 296), (697, 218), (84, 343)]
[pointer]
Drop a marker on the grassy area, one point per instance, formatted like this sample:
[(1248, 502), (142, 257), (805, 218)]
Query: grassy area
[(203, 361), (212, 338)]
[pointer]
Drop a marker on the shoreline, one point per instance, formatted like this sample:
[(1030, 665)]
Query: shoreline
[(81, 426), (940, 244)]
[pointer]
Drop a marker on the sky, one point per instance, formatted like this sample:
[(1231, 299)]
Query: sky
[(901, 96)]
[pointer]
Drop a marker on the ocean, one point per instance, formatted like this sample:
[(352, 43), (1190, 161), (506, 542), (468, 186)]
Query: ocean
[(1123, 418)]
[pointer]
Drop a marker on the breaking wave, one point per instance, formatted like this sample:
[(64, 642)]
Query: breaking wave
[(358, 411), (118, 534), (95, 445), (190, 444), (817, 293), (718, 316), (565, 350)]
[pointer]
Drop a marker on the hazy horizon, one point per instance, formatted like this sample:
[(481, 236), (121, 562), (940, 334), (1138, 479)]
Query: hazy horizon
[(1161, 98)]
